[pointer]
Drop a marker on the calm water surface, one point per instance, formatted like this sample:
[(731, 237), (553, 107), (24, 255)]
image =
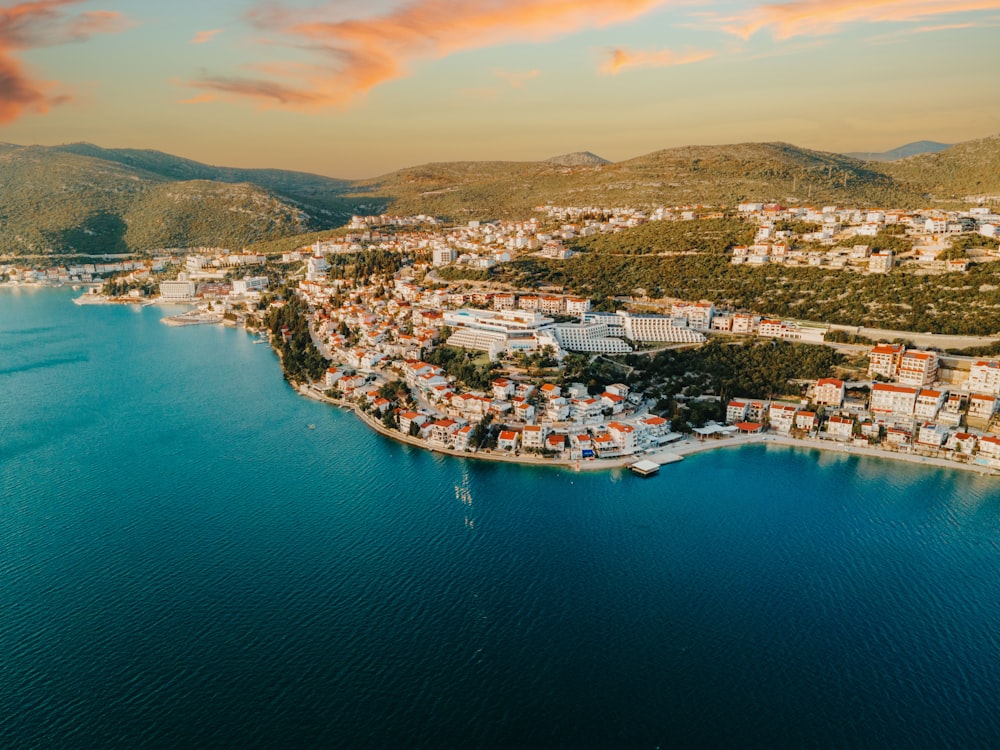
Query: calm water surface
[(184, 564)]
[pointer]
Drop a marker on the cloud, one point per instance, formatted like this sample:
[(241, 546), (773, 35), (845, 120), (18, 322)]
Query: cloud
[(623, 59), (815, 17), (203, 37), (355, 55), (42, 23)]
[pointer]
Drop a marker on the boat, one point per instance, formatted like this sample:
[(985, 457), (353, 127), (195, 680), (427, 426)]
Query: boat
[(312, 427)]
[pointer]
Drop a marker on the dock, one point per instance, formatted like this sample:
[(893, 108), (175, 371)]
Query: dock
[(645, 468)]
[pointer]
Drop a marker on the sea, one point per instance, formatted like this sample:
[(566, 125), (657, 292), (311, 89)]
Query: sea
[(193, 555)]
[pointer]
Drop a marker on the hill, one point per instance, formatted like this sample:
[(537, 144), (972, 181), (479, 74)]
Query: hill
[(578, 159), (971, 168), (317, 195), (713, 175), (910, 149), (54, 201), (83, 198)]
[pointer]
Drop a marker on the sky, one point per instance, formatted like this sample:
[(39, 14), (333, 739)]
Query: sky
[(358, 88)]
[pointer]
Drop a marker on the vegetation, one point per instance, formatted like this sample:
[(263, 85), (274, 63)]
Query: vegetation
[(473, 369), (300, 358), (954, 303), (668, 237)]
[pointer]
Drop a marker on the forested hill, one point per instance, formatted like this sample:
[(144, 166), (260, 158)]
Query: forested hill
[(83, 198), (712, 175)]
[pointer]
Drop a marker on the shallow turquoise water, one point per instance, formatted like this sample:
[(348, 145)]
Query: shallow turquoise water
[(184, 563)]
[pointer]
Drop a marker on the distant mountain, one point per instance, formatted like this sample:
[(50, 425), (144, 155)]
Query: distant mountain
[(578, 159), (910, 149)]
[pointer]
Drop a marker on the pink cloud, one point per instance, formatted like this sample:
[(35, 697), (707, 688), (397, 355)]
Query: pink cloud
[(623, 59), (203, 37), (356, 55), (42, 23), (814, 17)]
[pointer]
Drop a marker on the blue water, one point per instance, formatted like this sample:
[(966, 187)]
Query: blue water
[(184, 564)]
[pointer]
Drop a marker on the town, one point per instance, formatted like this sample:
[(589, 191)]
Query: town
[(376, 318)]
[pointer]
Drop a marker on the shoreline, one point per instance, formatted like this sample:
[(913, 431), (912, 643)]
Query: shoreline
[(671, 454)]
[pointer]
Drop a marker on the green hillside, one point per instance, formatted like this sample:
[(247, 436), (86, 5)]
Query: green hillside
[(83, 198), (967, 169), (712, 175), (54, 202)]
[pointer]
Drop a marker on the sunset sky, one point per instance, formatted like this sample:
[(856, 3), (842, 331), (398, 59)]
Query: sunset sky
[(356, 88)]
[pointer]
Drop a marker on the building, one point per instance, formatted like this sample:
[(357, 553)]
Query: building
[(917, 368), (829, 392), (442, 256), (736, 411), (984, 377), (928, 404), (840, 427), (250, 284), (884, 360), (181, 290), (893, 400), (698, 314), (880, 262), (658, 328), (589, 337)]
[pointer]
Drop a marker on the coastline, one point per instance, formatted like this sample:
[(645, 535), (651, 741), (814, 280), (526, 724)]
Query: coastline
[(672, 454)]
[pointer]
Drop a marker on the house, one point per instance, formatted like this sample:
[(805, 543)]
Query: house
[(604, 445), (782, 417), (462, 437), (503, 389), (409, 418), (613, 402), (829, 392), (982, 406), (507, 440), (523, 411), (989, 446), (585, 409), (962, 442), (928, 404), (930, 435), (840, 427), (533, 437), (555, 443), (884, 360), (756, 410), (442, 431), (984, 377), (918, 368), (625, 437), (893, 400), (654, 426), (897, 436), (806, 420), (736, 411), (548, 390)]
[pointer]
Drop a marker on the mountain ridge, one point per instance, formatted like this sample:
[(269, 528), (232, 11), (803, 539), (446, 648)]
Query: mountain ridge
[(84, 198)]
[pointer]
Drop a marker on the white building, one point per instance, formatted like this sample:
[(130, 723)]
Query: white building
[(984, 377), (880, 262), (658, 328), (918, 368), (893, 400), (181, 290), (589, 337), (829, 392)]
